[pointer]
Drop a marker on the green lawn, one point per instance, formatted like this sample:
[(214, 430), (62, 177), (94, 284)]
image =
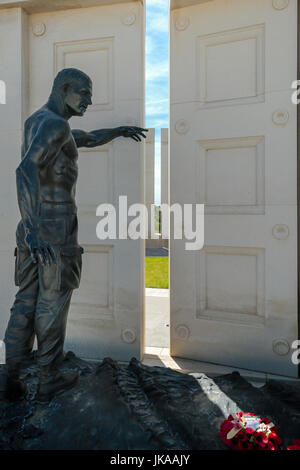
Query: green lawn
[(157, 272)]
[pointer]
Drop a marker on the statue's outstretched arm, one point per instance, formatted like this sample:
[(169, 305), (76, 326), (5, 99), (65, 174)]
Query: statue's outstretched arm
[(44, 147), (103, 136)]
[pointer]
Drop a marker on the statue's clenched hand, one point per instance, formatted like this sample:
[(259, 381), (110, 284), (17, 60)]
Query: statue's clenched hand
[(133, 132), (39, 249)]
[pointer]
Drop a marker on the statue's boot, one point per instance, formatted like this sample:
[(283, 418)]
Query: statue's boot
[(53, 382), (12, 387)]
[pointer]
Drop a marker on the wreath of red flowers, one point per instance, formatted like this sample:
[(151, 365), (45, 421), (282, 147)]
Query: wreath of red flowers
[(295, 446), (245, 431)]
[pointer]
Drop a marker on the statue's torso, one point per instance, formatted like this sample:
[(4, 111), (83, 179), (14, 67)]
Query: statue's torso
[(57, 185), (58, 178)]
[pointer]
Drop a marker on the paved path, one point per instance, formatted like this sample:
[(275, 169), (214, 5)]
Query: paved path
[(157, 252), (157, 318)]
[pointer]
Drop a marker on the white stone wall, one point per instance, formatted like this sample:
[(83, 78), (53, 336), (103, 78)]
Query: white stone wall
[(13, 71), (233, 148), (106, 40)]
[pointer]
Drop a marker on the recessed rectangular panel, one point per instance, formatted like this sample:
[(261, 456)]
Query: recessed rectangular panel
[(95, 58), (235, 292), (94, 296), (94, 63), (186, 3), (231, 67), (231, 175), (231, 70), (231, 284)]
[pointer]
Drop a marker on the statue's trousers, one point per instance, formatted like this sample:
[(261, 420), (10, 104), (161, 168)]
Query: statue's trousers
[(43, 299)]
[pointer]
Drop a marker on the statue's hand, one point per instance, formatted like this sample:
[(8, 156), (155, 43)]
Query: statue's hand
[(133, 132), (39, 249)]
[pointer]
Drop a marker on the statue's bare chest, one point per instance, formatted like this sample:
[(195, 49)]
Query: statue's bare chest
[(64, 169)]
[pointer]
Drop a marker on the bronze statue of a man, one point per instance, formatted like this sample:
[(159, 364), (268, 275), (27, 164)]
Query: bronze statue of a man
[(48, 257)]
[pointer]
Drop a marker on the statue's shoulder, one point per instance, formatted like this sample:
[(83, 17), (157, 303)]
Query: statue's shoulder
[(47, 122)]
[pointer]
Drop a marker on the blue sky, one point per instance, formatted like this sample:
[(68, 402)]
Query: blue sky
[(157, 75)]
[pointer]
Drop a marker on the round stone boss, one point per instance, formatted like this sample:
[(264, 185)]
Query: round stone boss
[(182, 126), (182, 22), (129, 19), (280, 117), (182, 332), (128, 336), (280, 4), (280, 231), (281, 347), (39, 29)]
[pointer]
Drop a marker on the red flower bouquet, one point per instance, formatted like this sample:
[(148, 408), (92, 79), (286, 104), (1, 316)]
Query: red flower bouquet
[(245, 431), (295, 446)]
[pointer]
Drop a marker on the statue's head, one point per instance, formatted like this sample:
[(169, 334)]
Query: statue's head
[(75, 88)]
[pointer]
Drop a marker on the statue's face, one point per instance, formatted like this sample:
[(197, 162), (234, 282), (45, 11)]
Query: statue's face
[(78, 97)]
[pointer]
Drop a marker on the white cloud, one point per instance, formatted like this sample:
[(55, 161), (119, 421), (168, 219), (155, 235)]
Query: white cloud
[(155, 71), (157, 101), (157, 3), (154, 108), (150, 44), (158, 23)]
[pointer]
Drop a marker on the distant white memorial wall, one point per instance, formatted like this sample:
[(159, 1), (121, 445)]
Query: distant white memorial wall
[(164, 165), (164, 172), (150, 183), (150, 176)]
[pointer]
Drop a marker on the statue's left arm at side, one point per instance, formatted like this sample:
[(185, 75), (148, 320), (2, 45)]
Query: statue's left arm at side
[(103, 136)]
